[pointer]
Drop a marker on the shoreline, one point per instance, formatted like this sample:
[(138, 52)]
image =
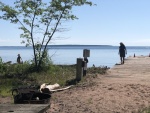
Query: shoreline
[(123, 88)]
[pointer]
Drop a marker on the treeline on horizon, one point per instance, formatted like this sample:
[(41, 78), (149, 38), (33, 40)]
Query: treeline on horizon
[(72, 46), (61, 45), (57, 46)]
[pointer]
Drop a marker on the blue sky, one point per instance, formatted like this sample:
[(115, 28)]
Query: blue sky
[(108, 23)]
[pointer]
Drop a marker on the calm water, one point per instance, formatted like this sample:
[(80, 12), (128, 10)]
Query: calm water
[(99, 55)]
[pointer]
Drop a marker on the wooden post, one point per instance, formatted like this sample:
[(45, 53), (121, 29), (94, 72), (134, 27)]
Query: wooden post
[(79, 69), (86, 53)]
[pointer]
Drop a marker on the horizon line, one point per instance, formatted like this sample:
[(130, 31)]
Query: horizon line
[(70, 45)]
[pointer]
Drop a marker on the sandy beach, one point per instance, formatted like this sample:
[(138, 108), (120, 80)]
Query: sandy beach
[(124, 89)]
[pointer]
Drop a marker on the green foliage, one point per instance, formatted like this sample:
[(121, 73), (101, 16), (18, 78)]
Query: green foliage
[(55, 74), (39, 21), (97, 70), (16, 75), (45, 61), (1, 64), (145, 110)]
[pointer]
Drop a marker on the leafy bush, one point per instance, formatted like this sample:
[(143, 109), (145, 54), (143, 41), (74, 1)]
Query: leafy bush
[(15, 75)]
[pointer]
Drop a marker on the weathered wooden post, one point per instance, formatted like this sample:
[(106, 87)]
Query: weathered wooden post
[(79, 69), (86, 53)]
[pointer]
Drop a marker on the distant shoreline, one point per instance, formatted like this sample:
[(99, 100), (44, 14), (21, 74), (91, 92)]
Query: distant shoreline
[(76, 45), (59, 45)]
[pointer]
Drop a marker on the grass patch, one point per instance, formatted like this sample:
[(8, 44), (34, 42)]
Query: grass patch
[(61, 74), (146, 110)]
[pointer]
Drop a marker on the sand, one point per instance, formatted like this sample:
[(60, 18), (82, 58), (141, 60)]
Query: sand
[(124, 89)]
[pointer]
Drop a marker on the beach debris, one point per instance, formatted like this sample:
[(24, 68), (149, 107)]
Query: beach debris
[(45, 88), (118, 64), (30, 95)]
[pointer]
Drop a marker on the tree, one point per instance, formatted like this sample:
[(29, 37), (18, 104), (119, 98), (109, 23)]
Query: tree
[(39, 20)]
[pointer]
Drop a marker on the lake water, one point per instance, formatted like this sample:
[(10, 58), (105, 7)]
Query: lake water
[(68, 54)]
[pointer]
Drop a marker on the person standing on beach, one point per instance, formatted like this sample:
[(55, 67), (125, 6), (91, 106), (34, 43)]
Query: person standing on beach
[(122, 52), (19, 59)]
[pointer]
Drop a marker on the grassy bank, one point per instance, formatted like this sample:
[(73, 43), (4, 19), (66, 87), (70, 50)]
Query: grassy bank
[(12, 76)]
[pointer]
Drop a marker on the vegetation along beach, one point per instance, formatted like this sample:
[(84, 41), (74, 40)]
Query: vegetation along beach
[(123, 88), (64, 56)]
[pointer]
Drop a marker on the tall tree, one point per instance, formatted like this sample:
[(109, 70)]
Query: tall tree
[(39, 21)]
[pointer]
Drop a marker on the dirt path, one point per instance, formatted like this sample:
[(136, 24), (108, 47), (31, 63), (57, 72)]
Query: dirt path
[(124, 89)]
